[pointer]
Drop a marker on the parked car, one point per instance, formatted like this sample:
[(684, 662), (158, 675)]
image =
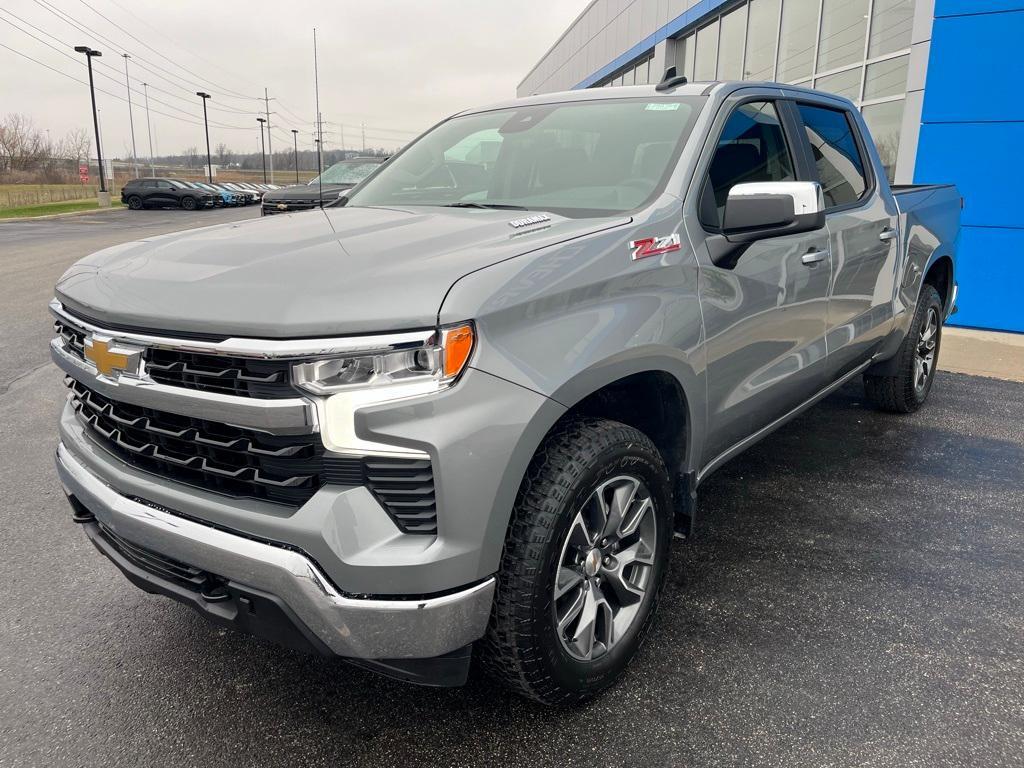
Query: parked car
[(328, 187), (466, 413), (248, 196), (163, 193)]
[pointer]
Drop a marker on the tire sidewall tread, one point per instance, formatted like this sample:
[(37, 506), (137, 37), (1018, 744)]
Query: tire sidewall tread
[(521, 648)]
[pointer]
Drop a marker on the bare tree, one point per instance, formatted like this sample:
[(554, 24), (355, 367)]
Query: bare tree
[(22, 145), (224, 155), (191, 156)]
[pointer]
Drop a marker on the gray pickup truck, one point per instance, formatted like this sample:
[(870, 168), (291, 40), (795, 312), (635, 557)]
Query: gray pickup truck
[(465, 414)]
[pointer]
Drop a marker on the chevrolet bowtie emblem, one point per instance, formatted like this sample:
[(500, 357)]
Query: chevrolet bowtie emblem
[(282, 206), (105, 358)]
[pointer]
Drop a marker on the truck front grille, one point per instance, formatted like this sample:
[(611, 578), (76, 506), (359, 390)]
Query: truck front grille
[(238, 376), (286, 469), (207, 454)]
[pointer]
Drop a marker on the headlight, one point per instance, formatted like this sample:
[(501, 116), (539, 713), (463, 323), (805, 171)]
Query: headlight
[(402, 369)]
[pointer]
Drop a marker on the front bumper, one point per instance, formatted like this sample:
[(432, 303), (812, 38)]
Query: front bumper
[(286, 581)]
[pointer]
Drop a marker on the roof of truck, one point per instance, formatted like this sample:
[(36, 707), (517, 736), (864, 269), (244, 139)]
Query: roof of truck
[(643, 92)]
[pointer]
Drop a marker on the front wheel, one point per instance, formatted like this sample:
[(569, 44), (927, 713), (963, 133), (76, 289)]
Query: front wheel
[(583, 563), (188, 203), (916, 360)]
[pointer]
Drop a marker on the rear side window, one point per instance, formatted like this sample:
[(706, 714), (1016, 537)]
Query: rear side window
[(836, 154), (752, 148)]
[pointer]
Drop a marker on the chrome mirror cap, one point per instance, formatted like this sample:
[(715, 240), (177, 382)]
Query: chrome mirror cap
[(807, 196)]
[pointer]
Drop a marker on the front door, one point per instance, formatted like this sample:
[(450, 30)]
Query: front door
[(765, 317)]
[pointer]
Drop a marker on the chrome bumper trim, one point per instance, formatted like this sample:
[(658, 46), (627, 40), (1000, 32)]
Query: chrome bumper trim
[(351, 627), (289, 416)]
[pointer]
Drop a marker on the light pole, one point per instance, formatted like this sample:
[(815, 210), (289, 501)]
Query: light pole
[(131, 119), (263, 148), (319, 161), (149, 130), (270, 139), (89, 53), (295, 138), (209, 161)]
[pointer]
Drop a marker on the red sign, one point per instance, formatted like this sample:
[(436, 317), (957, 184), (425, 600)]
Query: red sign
[(83, 173)]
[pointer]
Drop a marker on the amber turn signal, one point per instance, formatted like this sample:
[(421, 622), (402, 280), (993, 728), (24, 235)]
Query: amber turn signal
[(458, 344)]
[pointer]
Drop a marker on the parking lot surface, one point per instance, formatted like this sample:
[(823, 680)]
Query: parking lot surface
[(854, 596)]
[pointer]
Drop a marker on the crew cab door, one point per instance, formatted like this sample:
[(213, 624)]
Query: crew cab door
[(765, 315), (861, 217)]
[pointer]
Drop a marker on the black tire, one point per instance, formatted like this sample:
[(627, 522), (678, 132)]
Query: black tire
[(188, 203), (523, 647), (906, 391), (135, 203)]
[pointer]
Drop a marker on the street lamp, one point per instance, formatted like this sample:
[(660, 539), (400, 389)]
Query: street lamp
[(89, 53), (209, 162), (295, 138), (263, 148), (131, 119)]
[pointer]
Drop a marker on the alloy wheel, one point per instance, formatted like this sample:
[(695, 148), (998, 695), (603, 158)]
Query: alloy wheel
[(924, 360), (605, 568)]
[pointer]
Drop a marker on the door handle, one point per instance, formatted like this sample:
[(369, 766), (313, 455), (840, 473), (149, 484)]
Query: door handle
[(887, 234), (813, 257)]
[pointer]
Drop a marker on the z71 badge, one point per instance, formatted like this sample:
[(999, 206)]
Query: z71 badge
[(654, 246)]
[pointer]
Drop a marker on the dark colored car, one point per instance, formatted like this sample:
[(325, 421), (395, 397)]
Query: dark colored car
[(329, 186), (166, 193)]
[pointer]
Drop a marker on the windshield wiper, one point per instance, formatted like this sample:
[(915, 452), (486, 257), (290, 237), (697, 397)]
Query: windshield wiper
[(496, 206)]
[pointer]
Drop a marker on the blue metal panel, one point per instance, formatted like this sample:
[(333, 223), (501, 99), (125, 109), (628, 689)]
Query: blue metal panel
[(986, 160), (989, 269), (967, 7), (972, 133), (975, 67)]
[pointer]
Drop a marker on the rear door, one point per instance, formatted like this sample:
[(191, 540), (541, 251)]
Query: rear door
[(861, 220), (765, 317)]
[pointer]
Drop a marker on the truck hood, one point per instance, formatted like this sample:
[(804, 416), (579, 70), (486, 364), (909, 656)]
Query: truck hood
[(305, 192), (318, 273)]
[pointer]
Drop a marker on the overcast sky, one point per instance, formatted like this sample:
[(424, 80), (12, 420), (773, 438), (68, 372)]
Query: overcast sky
[(396, 65)]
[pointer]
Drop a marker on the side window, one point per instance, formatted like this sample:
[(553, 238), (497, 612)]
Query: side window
[(752, 148), (164, 185), (835, 150)]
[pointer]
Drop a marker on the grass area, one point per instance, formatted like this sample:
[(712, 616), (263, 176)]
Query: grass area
[(47, 209)]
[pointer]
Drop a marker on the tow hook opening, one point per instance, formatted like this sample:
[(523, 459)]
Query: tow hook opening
[(79, 514)]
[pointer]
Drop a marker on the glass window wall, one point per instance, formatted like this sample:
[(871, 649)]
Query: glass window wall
[(796, 42), (762, 36), (730, 44), (706, 63)]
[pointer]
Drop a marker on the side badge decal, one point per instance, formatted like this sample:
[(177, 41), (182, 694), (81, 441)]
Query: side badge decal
[(654, 246)]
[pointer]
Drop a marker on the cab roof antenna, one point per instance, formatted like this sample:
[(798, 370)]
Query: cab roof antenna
[(670, 80)]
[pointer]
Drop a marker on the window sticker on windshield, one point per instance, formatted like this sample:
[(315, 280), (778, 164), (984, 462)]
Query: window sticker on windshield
[(662, 106)]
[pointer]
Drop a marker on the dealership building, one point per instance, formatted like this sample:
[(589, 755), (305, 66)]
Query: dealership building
[(939, 83)]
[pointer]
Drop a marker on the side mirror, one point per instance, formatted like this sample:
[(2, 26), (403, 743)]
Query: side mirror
[(772, 209)]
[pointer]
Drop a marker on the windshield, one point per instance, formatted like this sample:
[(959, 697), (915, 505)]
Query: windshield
[(585, 158), (347, 172)]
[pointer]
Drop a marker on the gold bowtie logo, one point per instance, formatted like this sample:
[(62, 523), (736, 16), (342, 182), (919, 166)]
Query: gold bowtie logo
[(103, 358)]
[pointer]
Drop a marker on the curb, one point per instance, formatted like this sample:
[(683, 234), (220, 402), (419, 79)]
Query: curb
[(45, 216)]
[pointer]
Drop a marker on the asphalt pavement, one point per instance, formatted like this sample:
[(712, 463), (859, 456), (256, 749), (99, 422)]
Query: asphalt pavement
[(854, 595)]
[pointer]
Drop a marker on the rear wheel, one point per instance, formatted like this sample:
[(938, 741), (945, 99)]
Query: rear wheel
[(916, 360), (188, 203), (583, 564), (135, 203)]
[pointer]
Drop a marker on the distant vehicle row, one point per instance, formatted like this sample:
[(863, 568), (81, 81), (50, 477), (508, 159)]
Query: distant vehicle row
[(190, 195), (324, 190)]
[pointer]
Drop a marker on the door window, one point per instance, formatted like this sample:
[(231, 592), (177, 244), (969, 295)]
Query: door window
[(836, 154), (752, 148)]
